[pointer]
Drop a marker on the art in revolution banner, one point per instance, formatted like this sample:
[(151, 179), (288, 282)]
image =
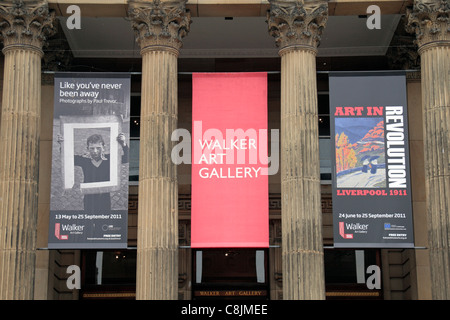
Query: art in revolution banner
[(229, 161), (371, 174), (90, 151)]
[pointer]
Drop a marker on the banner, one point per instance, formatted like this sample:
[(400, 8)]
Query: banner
[(229, 162), (89, 184), (371, 174)]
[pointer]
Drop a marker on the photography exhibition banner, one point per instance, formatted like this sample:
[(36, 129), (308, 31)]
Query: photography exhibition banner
[(229, 161), (90, 153), (371, 174)]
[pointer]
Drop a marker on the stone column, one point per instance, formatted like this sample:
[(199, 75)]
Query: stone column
[(297, 28), (430, 20), (24, 26), (159, 27)]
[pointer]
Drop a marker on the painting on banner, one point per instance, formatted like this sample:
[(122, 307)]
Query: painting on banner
[(90, 151), (371, 174)]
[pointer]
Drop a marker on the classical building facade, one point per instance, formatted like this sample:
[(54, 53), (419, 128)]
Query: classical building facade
[(156, 41)]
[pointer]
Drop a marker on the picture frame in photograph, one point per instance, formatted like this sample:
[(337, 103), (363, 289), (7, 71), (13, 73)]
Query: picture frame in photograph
[(75, 130)]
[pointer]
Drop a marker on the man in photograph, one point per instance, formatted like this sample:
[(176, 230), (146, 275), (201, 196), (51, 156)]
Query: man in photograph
[(95, 165)]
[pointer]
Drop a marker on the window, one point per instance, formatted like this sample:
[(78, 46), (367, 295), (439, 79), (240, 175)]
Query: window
[(324, 137), (135, 101), (230, 273), (345, 273), (108, 274), (323, 102)]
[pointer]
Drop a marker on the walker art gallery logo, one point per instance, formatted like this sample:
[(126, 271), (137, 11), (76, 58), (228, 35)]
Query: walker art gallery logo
[(238, 146), (371, 183), (58, 234), (213, 149)]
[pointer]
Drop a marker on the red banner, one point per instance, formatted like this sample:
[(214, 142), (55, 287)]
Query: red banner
[(229, 161)]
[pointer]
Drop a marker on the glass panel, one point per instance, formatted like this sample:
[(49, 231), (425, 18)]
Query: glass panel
[(323, 102), (260, 270), (340, 266), (134, 160), (134, 127), (199, 266), (230, 266), (325, 160), (324, 125), (135, 110), (99, 267), (360, 269), (110, 267), (135, 102), (344, 266)]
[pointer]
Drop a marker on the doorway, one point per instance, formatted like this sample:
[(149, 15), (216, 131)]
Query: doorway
[(230, 274)]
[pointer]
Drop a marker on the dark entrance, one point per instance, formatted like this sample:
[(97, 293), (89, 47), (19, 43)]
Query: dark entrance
[(230, 273)]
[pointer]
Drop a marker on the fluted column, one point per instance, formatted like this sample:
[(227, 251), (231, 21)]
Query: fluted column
[(297, 27), (24, 26), (430, 20), (159, 27)]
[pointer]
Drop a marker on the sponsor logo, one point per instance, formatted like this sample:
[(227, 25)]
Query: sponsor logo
[(110, 227)]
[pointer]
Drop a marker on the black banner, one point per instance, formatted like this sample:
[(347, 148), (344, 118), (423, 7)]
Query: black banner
[(371, 174), (89, 189)]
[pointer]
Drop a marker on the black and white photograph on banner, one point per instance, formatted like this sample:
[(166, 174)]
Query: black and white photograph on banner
[(92, 155)]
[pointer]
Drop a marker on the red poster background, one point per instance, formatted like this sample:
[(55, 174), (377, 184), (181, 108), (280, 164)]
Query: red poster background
[(229, 212)]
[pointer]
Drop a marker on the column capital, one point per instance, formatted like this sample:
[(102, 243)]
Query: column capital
[(429, 20), (25, 23), (296, 23), (159, 23)]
